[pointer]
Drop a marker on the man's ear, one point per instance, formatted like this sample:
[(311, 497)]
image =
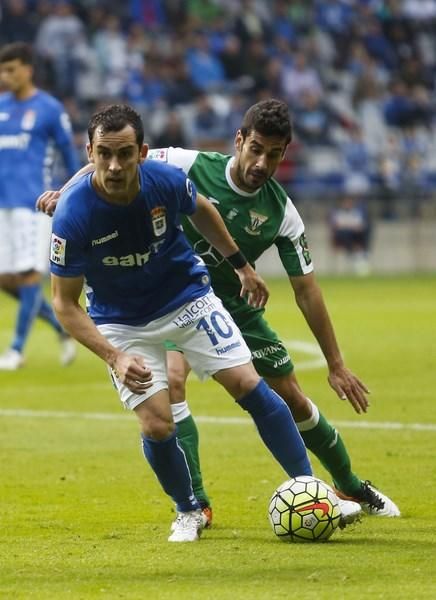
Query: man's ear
[(238, 140), (143, 153), (89, 153)]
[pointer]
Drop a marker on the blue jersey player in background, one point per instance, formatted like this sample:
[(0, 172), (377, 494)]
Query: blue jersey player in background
[(32, 125), (117, 231)]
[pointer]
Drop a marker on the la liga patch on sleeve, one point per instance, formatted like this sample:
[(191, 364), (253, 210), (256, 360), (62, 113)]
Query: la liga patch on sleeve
[(57, 249)]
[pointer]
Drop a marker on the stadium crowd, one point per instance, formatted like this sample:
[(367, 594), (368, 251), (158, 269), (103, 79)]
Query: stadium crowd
[(358, 76)]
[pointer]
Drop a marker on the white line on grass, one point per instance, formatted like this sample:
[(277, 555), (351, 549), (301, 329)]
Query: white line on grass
[(60, 414)]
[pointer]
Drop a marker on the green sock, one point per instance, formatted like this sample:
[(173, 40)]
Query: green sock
[(327, 445), (187, 434)]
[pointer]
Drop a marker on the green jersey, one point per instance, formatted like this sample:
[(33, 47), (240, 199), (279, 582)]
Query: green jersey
[(256, 220)]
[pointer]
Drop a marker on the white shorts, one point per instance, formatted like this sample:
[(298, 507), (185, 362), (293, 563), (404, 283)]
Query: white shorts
[(203, 329), (24, 240)]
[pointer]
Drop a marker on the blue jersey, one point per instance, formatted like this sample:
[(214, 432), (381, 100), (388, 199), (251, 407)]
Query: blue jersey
[(29, 131), (137, 263)]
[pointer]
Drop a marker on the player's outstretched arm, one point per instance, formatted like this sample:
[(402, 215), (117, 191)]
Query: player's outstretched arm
[(48, 200), (128, 368), (309, 299), (210, 224)]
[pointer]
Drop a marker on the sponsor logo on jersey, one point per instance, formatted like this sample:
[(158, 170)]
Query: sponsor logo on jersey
[(28, 120), (268, 350), (227, 348), (57, 250), (305, 249), (105, 238), (136, 259), (158, 220), (15, 142), (192, 313), (256, 221)]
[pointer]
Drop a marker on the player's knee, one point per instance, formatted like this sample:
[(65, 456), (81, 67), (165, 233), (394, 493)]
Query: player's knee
[(157, 428)]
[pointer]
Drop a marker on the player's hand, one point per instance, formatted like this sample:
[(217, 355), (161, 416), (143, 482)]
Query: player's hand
[(47, 202), (349, 387), (252, 286), (131, 370)]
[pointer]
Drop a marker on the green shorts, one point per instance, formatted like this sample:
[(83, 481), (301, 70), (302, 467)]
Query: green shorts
[(269, 355)]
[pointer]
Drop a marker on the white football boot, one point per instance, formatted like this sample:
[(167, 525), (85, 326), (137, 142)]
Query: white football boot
[(351, 512), (187, 527), (375, 503), (68, 351), (11, 360)]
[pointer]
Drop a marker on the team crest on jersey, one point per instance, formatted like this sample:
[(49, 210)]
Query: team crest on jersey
[(57, 251), (28, 120), (159, 220), (256, 221), (231, 214)]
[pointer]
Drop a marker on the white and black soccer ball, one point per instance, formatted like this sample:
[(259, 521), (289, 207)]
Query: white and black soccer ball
[(304, 509)]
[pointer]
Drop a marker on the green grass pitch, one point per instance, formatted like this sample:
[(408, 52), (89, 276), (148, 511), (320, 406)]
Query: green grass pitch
[(82, 515)]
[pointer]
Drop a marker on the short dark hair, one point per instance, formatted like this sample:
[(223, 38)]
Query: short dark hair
[(270, 118), (17, 51), (114, 118)]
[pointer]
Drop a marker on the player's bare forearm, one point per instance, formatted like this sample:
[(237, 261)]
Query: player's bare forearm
[(210, 224), (311, 303), (65, 299), (130, 369)]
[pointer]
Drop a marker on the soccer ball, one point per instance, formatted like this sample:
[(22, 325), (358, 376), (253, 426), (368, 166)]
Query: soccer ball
[(304, 509)]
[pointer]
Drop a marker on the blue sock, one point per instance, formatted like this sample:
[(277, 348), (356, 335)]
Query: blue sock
[(30, 301), (46, 313), (168, 461), (277, 429)]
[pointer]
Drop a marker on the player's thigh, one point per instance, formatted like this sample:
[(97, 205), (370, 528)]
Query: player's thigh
[(208, 336), (178, 370), (268, 353), (136, 340)]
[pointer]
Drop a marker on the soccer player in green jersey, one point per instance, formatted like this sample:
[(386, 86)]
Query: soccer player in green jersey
[(258, 213)]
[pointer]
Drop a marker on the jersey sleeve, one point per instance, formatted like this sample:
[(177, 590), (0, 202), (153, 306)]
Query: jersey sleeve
[(292, 244), (62, 134), (186, 193), (67, 247), (179, 157)]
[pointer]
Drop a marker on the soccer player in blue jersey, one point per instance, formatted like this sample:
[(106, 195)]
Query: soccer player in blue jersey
[(31, 123), (117, 230)]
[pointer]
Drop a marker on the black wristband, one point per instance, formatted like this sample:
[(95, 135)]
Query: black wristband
[(237, 260)]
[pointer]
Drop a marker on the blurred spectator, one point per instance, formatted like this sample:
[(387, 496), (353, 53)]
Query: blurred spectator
[(56, 38), (405, 108), (205, 69), (250, 23), (357, 163), (300, 78), (314, 120), (207, 125), (350, 229), (111, 47), (16, 24), (172, 133)]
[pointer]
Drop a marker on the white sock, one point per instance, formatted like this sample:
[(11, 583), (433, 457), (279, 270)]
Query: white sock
[(312, 421), (180, 411)]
